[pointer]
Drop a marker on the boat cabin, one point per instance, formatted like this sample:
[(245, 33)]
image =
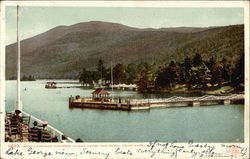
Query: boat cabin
[(100, 95), (50, 85)]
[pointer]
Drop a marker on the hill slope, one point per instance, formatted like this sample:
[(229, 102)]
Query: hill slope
[(63, 51)]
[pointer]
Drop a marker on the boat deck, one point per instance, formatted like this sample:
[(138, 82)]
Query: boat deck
[(21, 129)]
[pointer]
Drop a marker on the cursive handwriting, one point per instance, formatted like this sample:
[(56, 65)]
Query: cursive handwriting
[(153, 149), (14, 152), (37, 152), (119, 151), (86, 151)]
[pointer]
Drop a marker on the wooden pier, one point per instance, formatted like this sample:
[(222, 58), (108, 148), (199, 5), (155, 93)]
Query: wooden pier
[(89, 103), (137, 104)]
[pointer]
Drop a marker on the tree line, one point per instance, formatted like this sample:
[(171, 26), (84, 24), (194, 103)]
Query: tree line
[(28, 78), (127, 74), (194, 72)]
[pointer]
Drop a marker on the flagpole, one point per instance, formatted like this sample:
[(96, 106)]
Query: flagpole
[(112, 79), (18, 100)]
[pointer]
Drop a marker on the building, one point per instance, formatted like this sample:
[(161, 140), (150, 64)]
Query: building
[(100, 95)]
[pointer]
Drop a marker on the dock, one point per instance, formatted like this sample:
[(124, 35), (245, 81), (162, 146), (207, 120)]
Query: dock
[(89, 103), (139, 104), (53, 85)]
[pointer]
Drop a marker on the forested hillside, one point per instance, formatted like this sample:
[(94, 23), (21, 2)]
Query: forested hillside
[(64, 51)]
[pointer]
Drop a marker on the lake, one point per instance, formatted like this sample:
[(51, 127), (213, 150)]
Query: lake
[(218, 123)]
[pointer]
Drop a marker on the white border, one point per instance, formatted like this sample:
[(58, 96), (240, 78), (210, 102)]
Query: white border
[(130, 3), (223, 4), (2, 72), (247, 68)]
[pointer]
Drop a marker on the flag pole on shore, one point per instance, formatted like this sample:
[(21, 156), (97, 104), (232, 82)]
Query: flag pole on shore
[(111, 79)]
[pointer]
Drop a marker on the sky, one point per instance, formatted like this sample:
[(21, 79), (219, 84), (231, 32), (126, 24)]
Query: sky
[(36, 20)]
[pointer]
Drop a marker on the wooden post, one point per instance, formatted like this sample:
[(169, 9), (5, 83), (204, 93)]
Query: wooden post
[(70, 101)]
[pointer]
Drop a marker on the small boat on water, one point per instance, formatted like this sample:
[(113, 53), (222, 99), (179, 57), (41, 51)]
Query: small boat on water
[(50, 85)]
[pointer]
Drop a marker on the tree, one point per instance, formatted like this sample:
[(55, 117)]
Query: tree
[(200, 75), (217, 74), (211, 63), (167, 76), (27, 78), (225, 70), (187, 66), (24, 78), (88, 76), (119, 74), (197, 60), (145, 82), (85, 76), (107, 75), (238, 72), (101, 69), (131, 73)]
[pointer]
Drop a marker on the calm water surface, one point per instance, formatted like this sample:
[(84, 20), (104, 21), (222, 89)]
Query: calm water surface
[(220, 123)]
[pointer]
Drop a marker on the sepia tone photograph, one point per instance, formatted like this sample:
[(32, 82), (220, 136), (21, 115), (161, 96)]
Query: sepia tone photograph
[(124, 74)]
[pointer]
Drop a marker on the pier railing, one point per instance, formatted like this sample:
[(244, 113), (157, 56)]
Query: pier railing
[(53, 130), (187, 99)]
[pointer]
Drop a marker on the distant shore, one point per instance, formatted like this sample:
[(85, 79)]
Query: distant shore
[(177, 89), (182, 89)]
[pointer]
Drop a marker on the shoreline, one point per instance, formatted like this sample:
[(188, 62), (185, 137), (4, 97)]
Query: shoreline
[(178, 89), (224, 90)]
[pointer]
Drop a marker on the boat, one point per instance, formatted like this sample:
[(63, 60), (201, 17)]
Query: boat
[(23, 127), (50, 85)]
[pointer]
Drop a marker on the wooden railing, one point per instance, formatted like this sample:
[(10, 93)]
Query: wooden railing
[(53, 130), (188, 99)]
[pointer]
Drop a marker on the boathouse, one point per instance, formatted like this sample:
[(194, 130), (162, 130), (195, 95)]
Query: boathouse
[(100, 95)]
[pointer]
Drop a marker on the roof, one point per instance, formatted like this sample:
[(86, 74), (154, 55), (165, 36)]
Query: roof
[(51, 82), (100, 91)]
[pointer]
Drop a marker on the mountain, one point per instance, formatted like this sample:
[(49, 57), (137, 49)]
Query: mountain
[(63, 51)]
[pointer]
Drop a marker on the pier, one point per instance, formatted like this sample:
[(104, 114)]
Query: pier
[(177, 101), (137, 104), (124, 87)]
